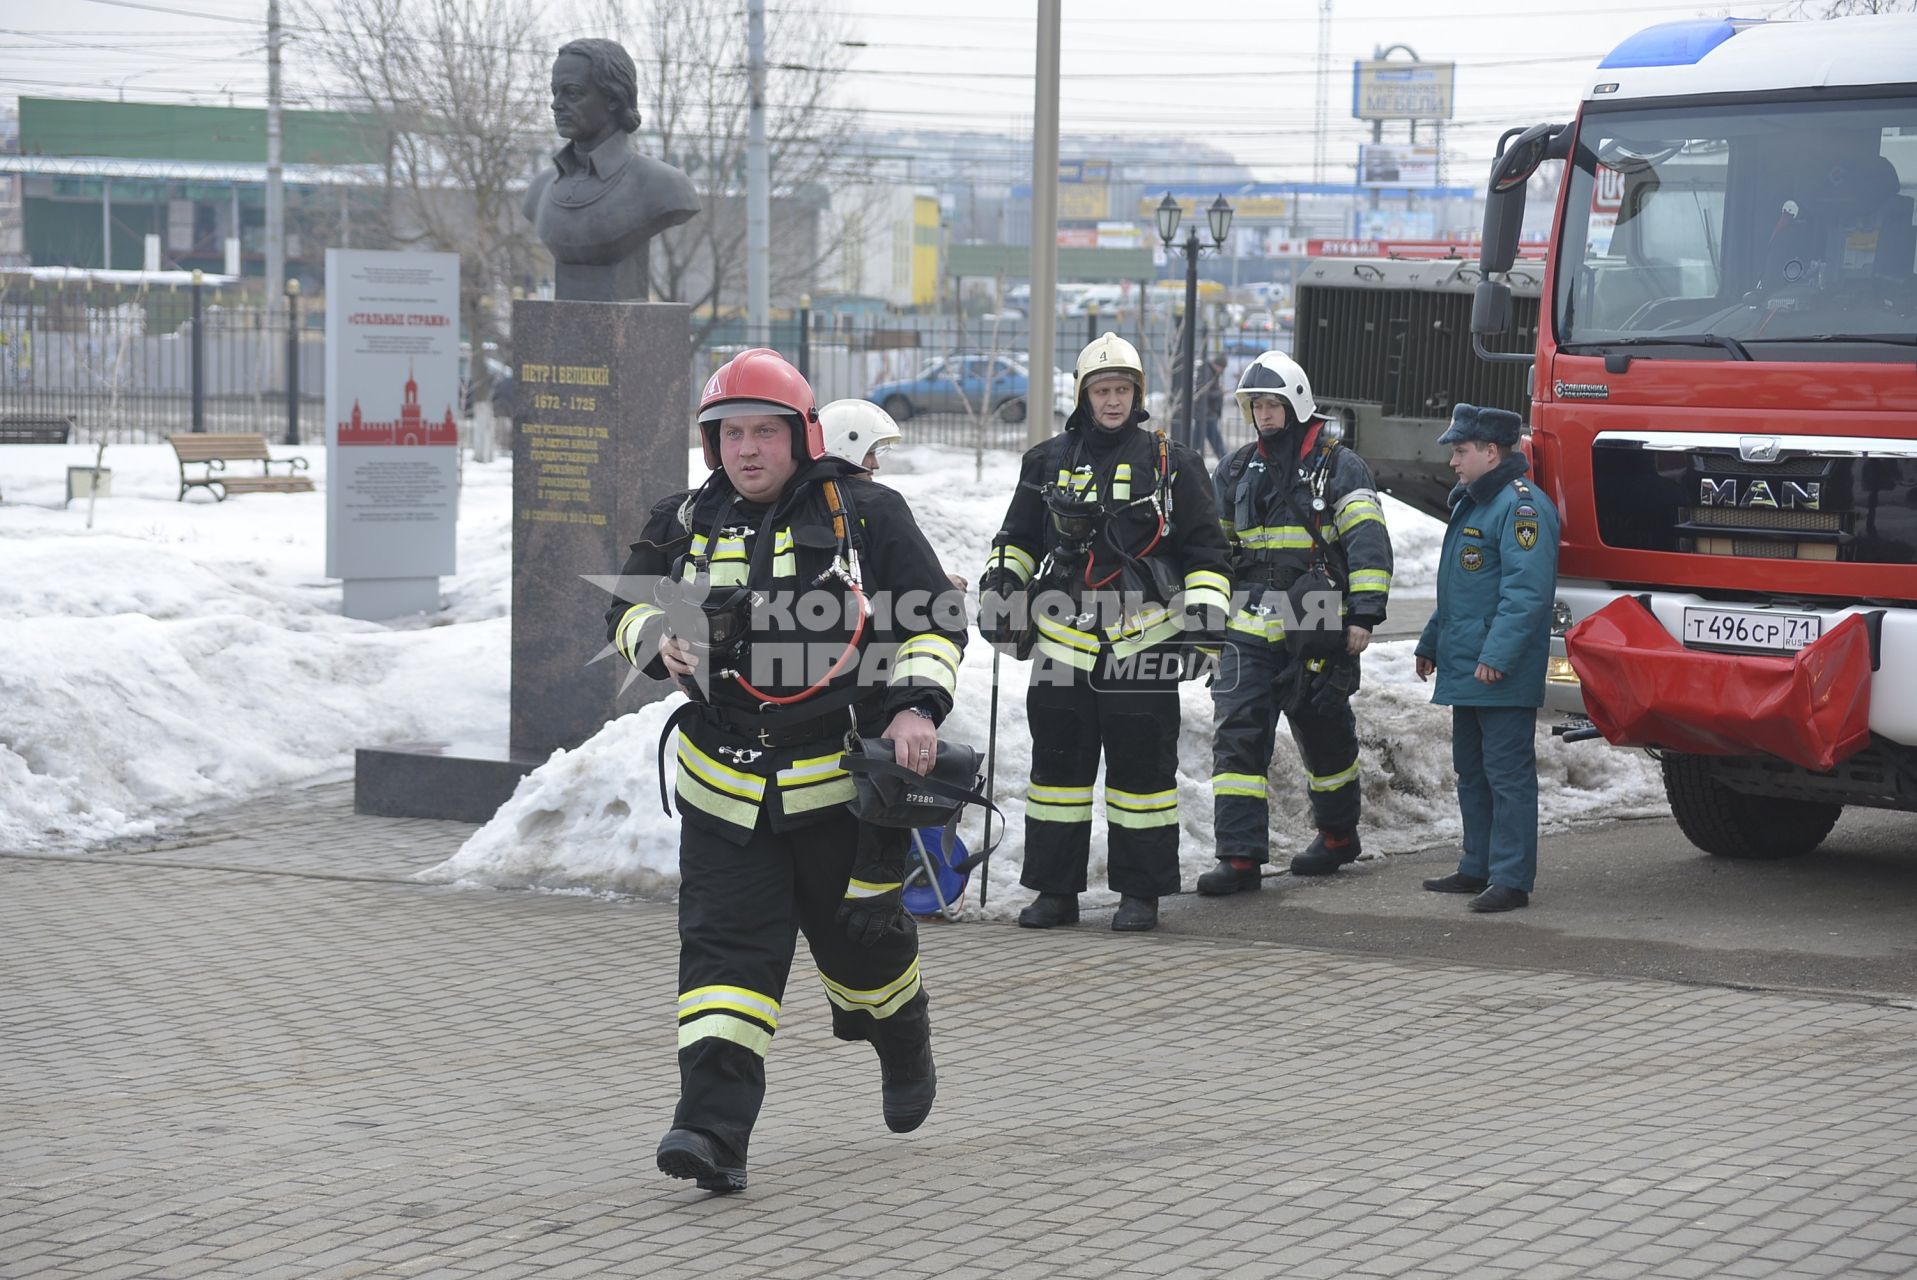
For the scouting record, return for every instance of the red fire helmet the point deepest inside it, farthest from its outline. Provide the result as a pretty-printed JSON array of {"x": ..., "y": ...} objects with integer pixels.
[{"x": 759, "y": 381}]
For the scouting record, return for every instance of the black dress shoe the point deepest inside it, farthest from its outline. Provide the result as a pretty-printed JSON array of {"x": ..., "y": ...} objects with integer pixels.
[
  {"x": 1457, "y": 882},
  {"x": 1229, "y": 876},
  {"x": 1499, "y": 898},
  {"x": 687, "y": 1153},
  {"x": 1322, "y": 857},
  {"x": 1050, "y": 910},
  {"x": 1135, "y": 915}
]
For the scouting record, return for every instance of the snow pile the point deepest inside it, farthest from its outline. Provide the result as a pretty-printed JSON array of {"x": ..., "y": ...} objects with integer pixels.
[
  {"x": 590, "y": 818},
  {"x": 178, "y": 654}
]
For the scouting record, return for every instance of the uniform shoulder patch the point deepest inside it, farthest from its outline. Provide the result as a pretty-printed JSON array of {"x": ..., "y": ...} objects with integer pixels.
[
  {"x": 1526, "y": 509},
  {"x": 1471, "y": 558},
  {"x": 1526, "y": 532},
  {"x": 1469, "y": 532}
]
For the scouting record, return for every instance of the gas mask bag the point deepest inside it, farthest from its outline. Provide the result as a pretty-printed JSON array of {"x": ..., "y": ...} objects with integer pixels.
[{"x": 886, "y": 794}]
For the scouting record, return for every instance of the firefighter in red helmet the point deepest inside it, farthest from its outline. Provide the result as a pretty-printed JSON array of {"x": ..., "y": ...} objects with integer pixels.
[{"x": 796, "y": 601}]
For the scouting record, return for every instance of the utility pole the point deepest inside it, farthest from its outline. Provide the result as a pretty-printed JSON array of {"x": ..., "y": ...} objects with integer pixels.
[
  {"x": 275, "y": 188},
  {"x": 1044, "y": 282},
  {"x": 758, "y": 185},
  {"x": 1318, "y": 140}
]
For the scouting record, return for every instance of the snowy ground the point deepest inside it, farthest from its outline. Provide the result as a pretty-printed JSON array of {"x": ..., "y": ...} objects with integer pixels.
[{"x": 178, "y": 655}]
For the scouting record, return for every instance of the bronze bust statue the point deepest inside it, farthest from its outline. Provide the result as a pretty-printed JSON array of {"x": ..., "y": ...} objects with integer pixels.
[{"x": 601, "y": 203}]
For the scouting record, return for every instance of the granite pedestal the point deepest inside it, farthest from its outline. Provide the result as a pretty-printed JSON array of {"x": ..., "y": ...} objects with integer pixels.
[{"x": 600, "y": 431}]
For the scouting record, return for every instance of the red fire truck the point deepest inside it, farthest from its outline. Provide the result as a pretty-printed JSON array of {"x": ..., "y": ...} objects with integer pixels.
[{"x": 1724, "y": 408}]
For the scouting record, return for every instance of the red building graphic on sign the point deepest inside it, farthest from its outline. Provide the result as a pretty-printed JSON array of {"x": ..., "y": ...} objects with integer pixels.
[{"x": 411, "y": 428}]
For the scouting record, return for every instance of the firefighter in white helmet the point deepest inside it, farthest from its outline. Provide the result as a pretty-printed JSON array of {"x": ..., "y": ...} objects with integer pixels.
[
  {"x": 859, "y": 431},
  {"x": 1111, "y": 560},
  {"x": 1312, "y": 563}
]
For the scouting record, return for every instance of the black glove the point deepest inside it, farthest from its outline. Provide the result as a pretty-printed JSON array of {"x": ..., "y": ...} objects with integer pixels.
[
  {"x": 996, "y": 617},
  {"x": 873, "y": 905},
  {"x": 1204, "y": 625}
]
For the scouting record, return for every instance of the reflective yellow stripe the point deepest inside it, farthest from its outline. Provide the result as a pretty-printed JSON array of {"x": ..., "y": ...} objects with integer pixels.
[
  {"x": 722, "y": 1026},
  {"x": 739, "y": 999},
  {"x": 724, "y": 777},
  {"x": 1141, "y": 801},
  {"x": 1071, "y": 657},
  {"x": 1331, "y": 782},
  {"x": 740, "y": 813},
  {"x": 1139, "y": 623},
  {"x": 935, "y": 644},
  {"x": 728, "y": 573},
  {"x": 1121, "y": 482},
  {"x": 880, "y": 1002},
  {"x": 1007, "y": 556},
  {"x": 926, "y": 670},
  {"x": 1355, "y": 512},
  {"x": 1231, "y": 530},
  {"x": 785, "y": 566},
  {"x": 1158, "y": 634},
  {"x": 813, "y": 769},
  {"x": 1200, "y": 579},
  {"x": 1371, "y": 580},
  {"x": 1271, "y": 628},
  {"x": 1276, "y": 536},
  {"x": 1239, "y": 784},
  {"x": 1072, "y": 637},
  {"x": 820, "y": 796},
  {"x": 1058, "y": 804},
  {"x": 869, "y": 888},
  {"x": 1132, "y": 821},
  {"x": 630, "y": 626}
]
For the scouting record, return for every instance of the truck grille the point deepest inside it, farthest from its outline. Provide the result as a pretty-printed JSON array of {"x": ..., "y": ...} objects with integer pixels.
[{"x": 1839, "y": 507}]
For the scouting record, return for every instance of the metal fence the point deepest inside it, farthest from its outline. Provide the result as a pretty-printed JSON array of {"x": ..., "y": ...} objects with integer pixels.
[
  {"x": 139, "y": 364},
  {"x": 964, "y": 382}
]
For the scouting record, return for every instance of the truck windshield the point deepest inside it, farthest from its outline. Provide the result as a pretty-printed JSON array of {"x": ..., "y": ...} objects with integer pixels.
[{"x": 1786, "y": 227}]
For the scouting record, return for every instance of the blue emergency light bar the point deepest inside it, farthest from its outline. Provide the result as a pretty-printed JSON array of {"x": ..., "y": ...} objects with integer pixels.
[{"x": 1672, "y": 44}]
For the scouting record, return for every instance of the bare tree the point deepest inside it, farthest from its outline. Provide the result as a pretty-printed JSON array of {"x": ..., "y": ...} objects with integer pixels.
[
  {"x": 458, "y": 85},
  {"x": 1844, "y": 8},
  {"x": 691, "y": 56}
]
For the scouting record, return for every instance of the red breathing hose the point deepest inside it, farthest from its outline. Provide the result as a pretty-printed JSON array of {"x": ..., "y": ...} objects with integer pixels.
[{"x": 838, "y": 665}]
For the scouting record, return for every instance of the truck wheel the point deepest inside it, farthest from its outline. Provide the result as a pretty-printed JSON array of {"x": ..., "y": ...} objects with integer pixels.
[{"x": 1730, "y": 824}]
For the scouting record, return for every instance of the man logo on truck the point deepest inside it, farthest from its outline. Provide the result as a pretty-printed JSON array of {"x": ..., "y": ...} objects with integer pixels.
[{"x": 1808, "y": 496}]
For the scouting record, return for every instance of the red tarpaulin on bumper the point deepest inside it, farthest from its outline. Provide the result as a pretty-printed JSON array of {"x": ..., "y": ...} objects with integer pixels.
[{"x": 1642, "y": 688}]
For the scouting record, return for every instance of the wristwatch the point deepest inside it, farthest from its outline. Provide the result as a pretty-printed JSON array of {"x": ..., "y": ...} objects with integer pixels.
[{"x": 917, "y": 710}]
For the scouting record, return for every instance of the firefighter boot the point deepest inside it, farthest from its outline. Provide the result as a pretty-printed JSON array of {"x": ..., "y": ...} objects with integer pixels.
[
  {"x": 1135, "y": 914},
  {"x": 687, "y": 1153},
  {"x": 1326, "y": 853},
  {"x": 1229, "y": 876},
  {"x": 1049, "y": 910},
  {"x": 909, "y": 1081}
]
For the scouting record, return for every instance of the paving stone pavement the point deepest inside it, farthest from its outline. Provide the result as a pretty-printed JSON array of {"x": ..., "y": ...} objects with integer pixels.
[{"x": 213, "y": 1063}]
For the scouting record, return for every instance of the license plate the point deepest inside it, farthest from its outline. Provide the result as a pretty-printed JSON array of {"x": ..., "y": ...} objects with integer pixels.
[{"x": 1762, "y": 630}]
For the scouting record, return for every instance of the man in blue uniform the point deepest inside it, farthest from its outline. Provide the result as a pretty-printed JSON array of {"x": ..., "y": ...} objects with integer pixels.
[{"x": 1488, "y": 642}]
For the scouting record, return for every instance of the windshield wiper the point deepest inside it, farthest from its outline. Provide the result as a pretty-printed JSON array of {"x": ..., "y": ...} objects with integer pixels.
[
  {"x": 1886, "y": 339},
  {"x": 1731, "y": 345}
]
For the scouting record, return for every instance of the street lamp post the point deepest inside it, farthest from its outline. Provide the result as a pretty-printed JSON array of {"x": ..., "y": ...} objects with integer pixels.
[{"x": 1168, "y": 215}]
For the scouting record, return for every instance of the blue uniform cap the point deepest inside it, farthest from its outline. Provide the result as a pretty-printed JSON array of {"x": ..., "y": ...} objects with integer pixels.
[{"x": 1486, "y": 425}]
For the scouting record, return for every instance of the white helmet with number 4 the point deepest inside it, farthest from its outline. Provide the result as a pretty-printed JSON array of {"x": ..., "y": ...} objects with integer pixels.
[
  {"x": 1109, "y": 353},
  {"x": 853, "y": 428},
  {"x": 1276, "y": 374}
]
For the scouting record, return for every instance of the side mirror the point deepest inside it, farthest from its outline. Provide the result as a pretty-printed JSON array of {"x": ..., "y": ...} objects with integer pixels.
[
  {"x": 1504, "y": 198},
  {"x": 1491, "y": 308}
]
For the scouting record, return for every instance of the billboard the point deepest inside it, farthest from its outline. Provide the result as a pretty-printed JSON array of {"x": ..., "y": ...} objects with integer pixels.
[
  {"x": 1382, "y": 90},
  {"x": 392, "y": 439},
  {"x": 1395, "y": 164}
]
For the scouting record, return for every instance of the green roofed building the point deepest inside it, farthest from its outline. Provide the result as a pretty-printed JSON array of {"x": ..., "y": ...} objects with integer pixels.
[{"x": 96, "y": 179}]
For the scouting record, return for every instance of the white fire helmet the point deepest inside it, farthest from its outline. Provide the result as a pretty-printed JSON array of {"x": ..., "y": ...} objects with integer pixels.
[
  {"x": 853, "y": 428},
  {"x": 1276, "y": 374},
  {"x": 1109, "y": 353}
]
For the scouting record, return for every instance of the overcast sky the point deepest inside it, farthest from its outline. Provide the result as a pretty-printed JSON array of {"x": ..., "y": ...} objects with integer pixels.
[{"x": 1237, "y": 73}]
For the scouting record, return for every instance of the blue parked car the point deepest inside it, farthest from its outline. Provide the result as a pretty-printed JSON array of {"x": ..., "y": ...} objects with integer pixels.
[{"x": 957, "y": 384}]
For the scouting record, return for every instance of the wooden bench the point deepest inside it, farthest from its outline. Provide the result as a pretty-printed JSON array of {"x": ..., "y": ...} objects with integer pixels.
[
  {"x": 212, "y": 452},
  {"x": 18, "y": 428}
]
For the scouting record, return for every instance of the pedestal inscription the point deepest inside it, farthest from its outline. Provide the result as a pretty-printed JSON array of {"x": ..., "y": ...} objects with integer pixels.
[{"x": 599, "y": 437}]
